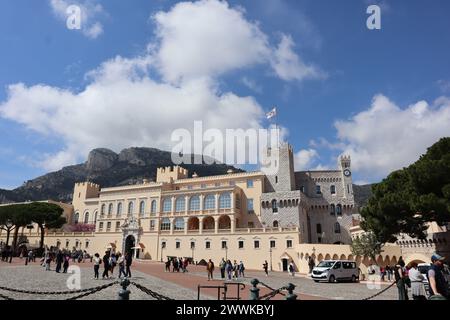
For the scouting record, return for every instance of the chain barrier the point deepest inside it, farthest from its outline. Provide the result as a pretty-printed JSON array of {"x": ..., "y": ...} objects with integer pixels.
[
  {"x": 5, "y": 297},
  {"x": 54, "y": 292},
  {"x": 95, "y": 290},
  {"x": 152, "y": 293},
  {"x": 380, "y": 292}
]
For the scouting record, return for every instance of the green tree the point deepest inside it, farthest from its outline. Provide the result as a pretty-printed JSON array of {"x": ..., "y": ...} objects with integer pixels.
[
  {"x": 367, "y": 245},
  {"x": 45, "y": 215},
  {"x": 408, "y": 199}
]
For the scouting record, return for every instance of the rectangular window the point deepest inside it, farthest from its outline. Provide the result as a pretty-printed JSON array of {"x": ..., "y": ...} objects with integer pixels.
[
  {"x": 192, "y": 245},
  {"x": 256, "y": 244},
  {"x": 217, "y": 184},
  {"x": 87, "y": 244},
  {"x": 272, "y": 243},
  {"x": 318, "y": 191},
  {"x": 241, "y": 244},
  {"x": 117, "y": 225},
  {"x": 189, "y": 187},
  {"x": 100, "y": 226},
  {"x": 67, "y": 244},
  {"x": 249, "y": 183},
  {"x": 108, "y": 226},
  {"x": 318, "y": 228},
  {"x": 152, "y": 224},
  {"x": 224, "y": 244},
  {"x": 288, "y": 243},
  {"x": 232, "y": 183},
  {"x": 177, "y": 245},
  {"x": 208, "y": 245},
  {"x": 250, "y": 206},
  {"x": 203, "y": 186}
]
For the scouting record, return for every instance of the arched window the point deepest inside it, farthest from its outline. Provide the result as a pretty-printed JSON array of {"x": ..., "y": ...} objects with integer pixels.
[
  {"x": 179, "y": 224},
  {"x": 225, "y": 201},
  {"x": 167, "y": 205},
  {"x": 333, "y": 189},
  {"x": 165, "y": 224},
  {"x": 153, "y": 209},
  {"x": 130, "y": 207},
  {"x": 194, "y": 203},
  {"x": 337, "y": 228},
  {"x": 95, "y": 217},
  {"x": 102, "y": 210},
  {"x": 86, "y": 217},
  {"x": 119, "y": 209},
  {"x": 275, "y": 224},
  {"x": 210, "y": 202},
  {"x": 110, "y": 209},
  {"x": 76, "y": 217},
  {"x": 332, "y": 209},
  {"x": 339, "y": 210},
  {"x": 180, "y": 204},
  {"x": 274, "y": 206},
  {"x": 142, "y": 207}
]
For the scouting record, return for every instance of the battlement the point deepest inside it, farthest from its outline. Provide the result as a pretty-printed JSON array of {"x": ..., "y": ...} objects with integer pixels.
[
  {"x": 87, "y": 184},
  {"x": 170, "y": 174}
]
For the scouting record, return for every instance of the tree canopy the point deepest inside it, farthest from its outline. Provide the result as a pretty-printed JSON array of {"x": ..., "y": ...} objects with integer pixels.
[{"x": 409, "y": 198}]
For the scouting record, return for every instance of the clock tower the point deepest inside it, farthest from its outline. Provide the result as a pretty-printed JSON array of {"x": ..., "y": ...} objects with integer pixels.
[{"x": 344, "y": 166}]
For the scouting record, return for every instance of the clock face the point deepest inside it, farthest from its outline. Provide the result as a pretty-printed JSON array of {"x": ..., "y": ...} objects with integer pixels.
[{"x": 347, "y": 172}]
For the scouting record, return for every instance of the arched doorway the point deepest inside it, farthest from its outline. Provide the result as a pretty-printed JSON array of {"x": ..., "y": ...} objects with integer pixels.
[{"x": 130, "y": 243}]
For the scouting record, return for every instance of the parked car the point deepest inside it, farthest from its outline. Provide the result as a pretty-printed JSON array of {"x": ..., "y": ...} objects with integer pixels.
[{"x": 335, "y": 270}]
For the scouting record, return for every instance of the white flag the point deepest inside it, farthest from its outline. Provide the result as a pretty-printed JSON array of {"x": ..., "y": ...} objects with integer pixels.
[{"x": 272, "y": 113}]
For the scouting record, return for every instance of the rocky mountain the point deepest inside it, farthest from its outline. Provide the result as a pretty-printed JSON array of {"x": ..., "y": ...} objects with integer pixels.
[
  {"x": 362, "y": 194},
  {"x": 106, "y": 168}
]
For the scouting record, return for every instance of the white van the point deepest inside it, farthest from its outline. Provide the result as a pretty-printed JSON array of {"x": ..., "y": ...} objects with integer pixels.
[{"x": 335, "y": 270}]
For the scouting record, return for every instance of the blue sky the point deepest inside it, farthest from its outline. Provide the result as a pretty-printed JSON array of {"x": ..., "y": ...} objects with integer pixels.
[{"x": 381, "y": 96}]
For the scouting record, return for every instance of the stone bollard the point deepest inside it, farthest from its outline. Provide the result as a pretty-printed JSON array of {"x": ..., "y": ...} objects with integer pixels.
[
  {"x": 124, "y": 293},
  {"x": 291, "y": 295},
  {"x": 254, "y": 291}
]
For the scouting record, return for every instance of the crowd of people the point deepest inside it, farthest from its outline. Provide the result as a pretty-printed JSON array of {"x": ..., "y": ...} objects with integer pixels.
[
  {"x": 228, "y": 270},
  {"x": 177, "y": 264},
  {"x": 110, "y": 260}
]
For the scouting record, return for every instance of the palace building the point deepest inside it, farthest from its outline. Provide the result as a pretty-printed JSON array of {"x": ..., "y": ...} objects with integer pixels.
[{"x": 248, "y": 216}]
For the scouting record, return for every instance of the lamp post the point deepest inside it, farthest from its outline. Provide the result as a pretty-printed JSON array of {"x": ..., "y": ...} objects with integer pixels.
[
  {"x": 226, "y": 252},
  {"x": 271, "y": 269},
  {"x": 192, "y": 248},
  {"x": 162, "y": 249},
  {"x": 9, "y": 225}
]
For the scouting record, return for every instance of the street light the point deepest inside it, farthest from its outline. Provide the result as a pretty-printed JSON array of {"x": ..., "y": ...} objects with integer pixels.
[
  {"x": 226, "y": 252},
  {"x": 271, "y": 269},
  {"x": 162, "y": 248}
]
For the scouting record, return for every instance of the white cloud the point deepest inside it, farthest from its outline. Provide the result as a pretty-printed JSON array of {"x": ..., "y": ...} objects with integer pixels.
[
  {"x": 251, "y": 84},
  {"x": 303, "y": 159},
  {"x": 209, "y": 38},
  {"x": 386, "y": 137},
  {"x": 444, "y": 85},
  {"x": 288, "y": 65},
  {"x": 90, "y": 11},
  {"x": 126, "y": 110},
  {"x": 125, "y": 104}
]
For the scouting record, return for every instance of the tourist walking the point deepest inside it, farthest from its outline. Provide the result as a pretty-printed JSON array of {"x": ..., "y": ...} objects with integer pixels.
[
  {"x": 112, "y": 263},
  {"x": 210, "y": 269},
  {"x": 400, "y": 280},
  {"x": 128, "y": 262},
  {"x": 106, "y": 265},
  {"x": 96, "y": 261},
  {"x": 416, "y": 278},
  {"x": 292, "y": 268},
  {"x": 168, "y": 265},
  {"x": 241, "y": 269},
  {"x": 121, "y": 263},
  {"x": 438, "y": 284},
  {"x": 222, "y": 266},
  {"x": 229, "y": 269},
  {"x": 235, "y": 270},
  {"x": 66, "y": 263},
  {"x": 266, "y": 267},
  {"x": 311, "y": 264},
  {"x": 59, "y": 261},
  {"x": 48, "y": 260}
]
